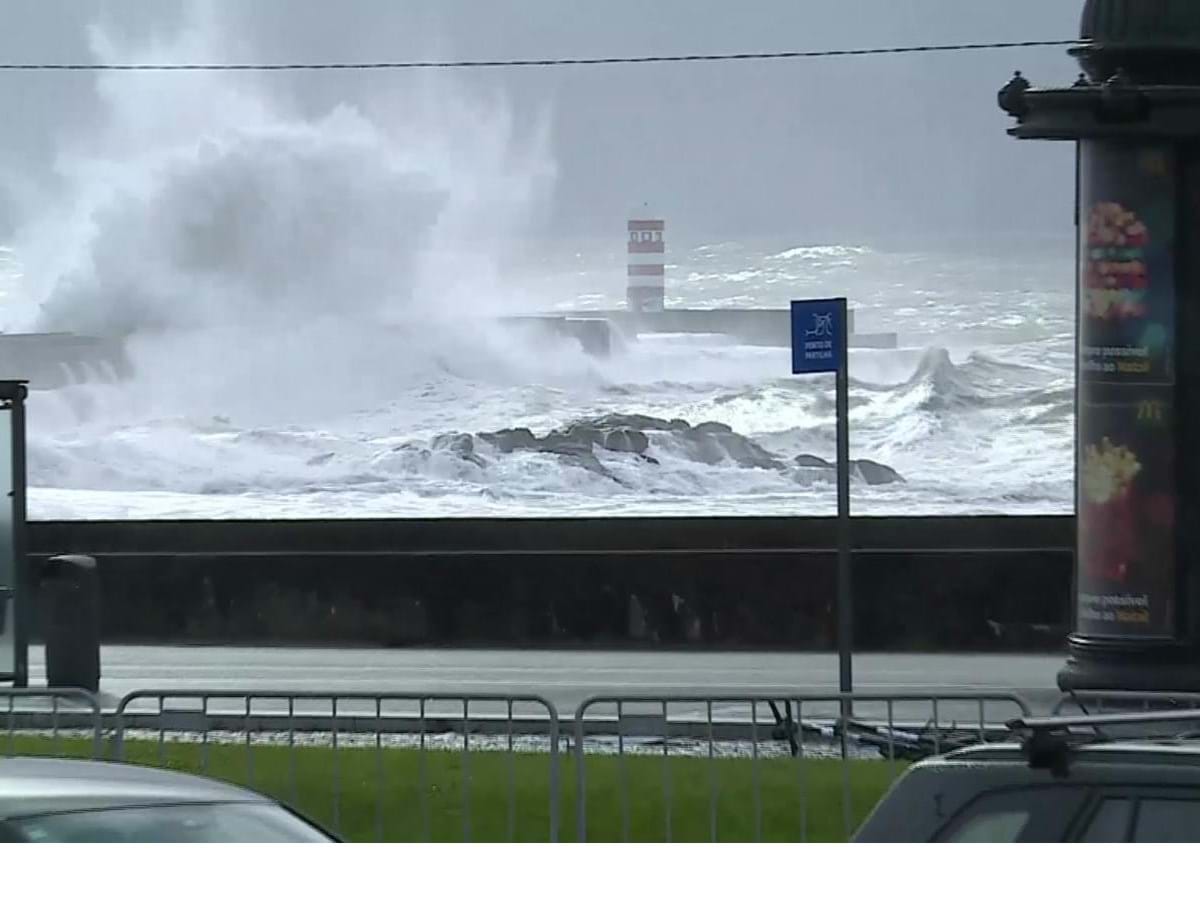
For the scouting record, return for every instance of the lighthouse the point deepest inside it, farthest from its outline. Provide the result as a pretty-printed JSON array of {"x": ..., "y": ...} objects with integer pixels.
[{"x": 647, "y": 265}]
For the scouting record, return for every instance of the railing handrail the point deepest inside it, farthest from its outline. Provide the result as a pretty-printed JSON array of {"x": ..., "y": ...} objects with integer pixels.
[
  {"x": 376, "y": 697},
  {"x": 75, "y": 695},
  {"x": 1099, "y": 720},
  {"x": 228, "y": 694},
  {"x": 807, "y": 697},
  {"x": 844, "y": 700}
]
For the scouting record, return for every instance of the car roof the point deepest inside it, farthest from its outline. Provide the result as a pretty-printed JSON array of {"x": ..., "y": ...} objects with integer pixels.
[
  {"x": 1132, "y": 752},
  {"x": 30, "y": 786}
]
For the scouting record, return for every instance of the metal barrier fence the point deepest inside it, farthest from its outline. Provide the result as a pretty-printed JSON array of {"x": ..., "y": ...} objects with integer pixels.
[
  {"x": 63, "y": 712},
  {"x": 488, "y": 766},
  {"x": 354, "y": 734},
  {"x": 786, "y": 743}
]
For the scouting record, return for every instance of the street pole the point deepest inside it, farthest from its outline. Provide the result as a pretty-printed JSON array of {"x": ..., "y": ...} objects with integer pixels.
[
  {"x": 845, "y": 616},
  {"x": 845, "y": 610},
  {"x": 820, "y": 344}
]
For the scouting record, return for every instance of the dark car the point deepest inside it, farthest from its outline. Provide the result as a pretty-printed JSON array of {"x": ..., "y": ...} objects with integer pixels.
[
  {"x": 1069, "y": 779},
  {"x": 76, "y": 801}
]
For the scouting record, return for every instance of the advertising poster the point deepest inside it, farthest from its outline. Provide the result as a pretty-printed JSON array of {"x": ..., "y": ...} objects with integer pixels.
[
  {"x": 1127, "y": 264},
  {"x": 1127, "y": 517}
]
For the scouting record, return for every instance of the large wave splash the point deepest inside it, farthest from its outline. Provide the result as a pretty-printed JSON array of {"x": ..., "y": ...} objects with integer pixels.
[
  {"x": 941, "y": 386},
  {"x": 213, "y": 223}
]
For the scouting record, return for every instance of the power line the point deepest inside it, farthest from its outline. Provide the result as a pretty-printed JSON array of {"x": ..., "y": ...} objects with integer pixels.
[{"x": 525, "y": 63}]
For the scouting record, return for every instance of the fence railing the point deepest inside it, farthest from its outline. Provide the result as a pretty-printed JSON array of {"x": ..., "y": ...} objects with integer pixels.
[
  {"x": 259, "y": 736},
  {"x": 808, "y": 752},
  {"x": 63, "y": 713},
  {"x": 445, "y": 766}
]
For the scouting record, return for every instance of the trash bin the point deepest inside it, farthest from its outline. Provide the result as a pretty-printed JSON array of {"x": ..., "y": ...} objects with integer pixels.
[{"x": 69, "y": 597}]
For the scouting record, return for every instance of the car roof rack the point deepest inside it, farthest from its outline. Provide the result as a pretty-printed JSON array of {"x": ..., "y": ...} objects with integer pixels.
[
  {"x": 1095, "y": 720},
  {"x": 1047, "y": 741}
]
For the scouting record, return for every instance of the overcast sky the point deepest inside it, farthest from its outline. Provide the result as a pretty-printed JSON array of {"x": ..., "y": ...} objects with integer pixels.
[{"x": 837, "y": 149}]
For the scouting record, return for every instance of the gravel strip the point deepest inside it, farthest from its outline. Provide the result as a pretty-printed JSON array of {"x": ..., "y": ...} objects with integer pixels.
[{"x": 447, "y": 742}]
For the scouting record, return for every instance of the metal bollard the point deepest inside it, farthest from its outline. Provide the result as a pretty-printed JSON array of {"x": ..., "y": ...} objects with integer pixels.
[{"x": 69, "y": 597}]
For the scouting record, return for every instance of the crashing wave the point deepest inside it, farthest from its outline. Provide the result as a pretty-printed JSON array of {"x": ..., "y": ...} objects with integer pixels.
[
  {"x": 835, "y": 251},
  {"x": 940, "y": 386}
]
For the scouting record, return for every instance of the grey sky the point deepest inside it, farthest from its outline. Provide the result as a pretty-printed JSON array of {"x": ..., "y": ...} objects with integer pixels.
[{"x": 840, "y": 149}]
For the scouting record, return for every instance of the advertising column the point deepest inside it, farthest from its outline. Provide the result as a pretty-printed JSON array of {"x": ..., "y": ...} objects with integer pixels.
[{"x": 1126, "y": 477}]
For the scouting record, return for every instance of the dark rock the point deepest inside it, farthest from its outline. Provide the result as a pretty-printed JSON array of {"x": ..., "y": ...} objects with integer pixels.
[
  {"x": 561, "y": 443},
  {"x": 460, "y": 445},
  {"x": 712, "y": 428},
  {"x": 712, "y": 443},
  {"x": 621, "y": 434},
  {"x": 869, "y": 471},
  {"x": 581, "y": 457},
  {"x": 509, "y": 439},
  {"x": 808, "y": 461},
  {"x": 320, "y": 459},
  {"x": 715, "y": 445},
  {"x": 635, "y": 422},
  {"x": 877, "y": 473},
  {"x": 626, "y": 440},
  {"x": 578, "y": 434}
]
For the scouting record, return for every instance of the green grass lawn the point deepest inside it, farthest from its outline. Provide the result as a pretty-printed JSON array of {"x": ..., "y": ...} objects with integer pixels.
[{"x": 404, "y": 795}]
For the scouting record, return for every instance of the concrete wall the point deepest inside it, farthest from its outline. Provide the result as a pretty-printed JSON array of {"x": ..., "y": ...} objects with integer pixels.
[{"x": 920, "y": 584}]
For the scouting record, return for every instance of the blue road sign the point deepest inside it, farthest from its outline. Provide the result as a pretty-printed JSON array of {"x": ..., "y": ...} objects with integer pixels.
[
  {"x": 819, "y": 344},
  {"x": 818, "y": 328}
]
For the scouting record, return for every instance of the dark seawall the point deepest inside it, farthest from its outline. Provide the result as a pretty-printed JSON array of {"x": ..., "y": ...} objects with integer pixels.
[{"x": 919, "y": 583}]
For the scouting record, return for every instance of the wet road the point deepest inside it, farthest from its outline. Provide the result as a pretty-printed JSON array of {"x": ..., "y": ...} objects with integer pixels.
[{"x": 564, "y": 677}]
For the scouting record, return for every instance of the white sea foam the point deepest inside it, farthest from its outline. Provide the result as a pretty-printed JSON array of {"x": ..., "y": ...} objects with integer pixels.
[
  {"x": 835, "y": 252},
  {"x": 962, "y": 442}
]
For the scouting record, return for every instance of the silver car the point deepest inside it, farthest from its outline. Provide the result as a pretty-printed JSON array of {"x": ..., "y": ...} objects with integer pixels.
[{"x": 75, "y": 801}]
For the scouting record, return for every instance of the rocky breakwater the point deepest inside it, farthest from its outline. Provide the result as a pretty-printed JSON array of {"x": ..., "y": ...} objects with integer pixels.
[{"x": 598, "y": 444}]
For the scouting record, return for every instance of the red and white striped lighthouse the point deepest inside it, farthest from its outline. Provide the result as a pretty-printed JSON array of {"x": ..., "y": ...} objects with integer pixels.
[{"x": 647, "y": 266}]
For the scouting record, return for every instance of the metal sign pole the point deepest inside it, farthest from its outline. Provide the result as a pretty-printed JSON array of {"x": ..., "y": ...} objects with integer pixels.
[
  {"x": 820, "y": 343},
  {"x": 845, "y": 597},
  {"x": 20, "y": 545}
]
